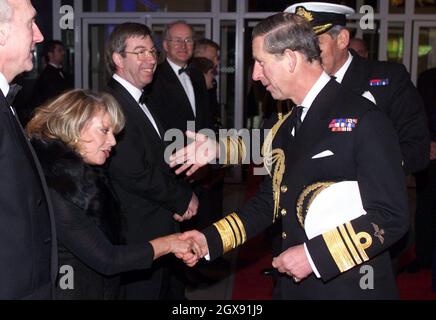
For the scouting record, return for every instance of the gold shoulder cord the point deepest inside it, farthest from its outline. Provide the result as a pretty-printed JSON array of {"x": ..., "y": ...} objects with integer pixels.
[{"x": 273, "y": 156}]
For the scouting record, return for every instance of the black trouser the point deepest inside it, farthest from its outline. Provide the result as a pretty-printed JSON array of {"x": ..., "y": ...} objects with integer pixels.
[{"x": 425, "y": 217}]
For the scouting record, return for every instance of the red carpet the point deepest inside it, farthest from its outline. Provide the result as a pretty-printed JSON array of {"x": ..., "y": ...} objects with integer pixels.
[{"x": 255, "y": 255}]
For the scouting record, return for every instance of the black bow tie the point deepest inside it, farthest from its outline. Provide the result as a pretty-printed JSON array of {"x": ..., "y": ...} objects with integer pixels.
[
  {"x": 184, "y": 69},
  {"x": 13, "y": 90}
]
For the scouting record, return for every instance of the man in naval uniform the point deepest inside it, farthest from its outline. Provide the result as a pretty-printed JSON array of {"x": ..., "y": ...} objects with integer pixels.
[
  {"x": 332, "y": 135},
  {"x": 386, "y": 84}
]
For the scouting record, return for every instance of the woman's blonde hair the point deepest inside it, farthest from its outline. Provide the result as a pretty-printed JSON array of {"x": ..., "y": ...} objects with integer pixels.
[{"x": 64, "y": 117}]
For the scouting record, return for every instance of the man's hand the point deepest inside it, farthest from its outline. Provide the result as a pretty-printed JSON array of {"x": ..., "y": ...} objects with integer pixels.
[
  {"x": 190, "y": 212},
  {"x": 199, "y": 247},
  {"x": 294, "y": 263},
  {"x": 196, "y": 154},
  {"x": 172, "y": 244}
]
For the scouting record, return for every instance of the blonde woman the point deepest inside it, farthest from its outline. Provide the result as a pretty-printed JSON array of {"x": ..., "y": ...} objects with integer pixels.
[{"x": 73, "y": 136}]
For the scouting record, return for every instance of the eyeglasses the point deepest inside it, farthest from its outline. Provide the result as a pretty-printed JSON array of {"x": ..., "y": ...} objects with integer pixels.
[
  {"x": 179, "y": 42},
  {"x": 144, "y": 54}
]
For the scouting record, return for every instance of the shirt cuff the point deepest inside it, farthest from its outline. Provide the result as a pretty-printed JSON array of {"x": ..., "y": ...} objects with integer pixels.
[
  {"x": 314, "y": 269},
  {"x": 207, "y": 257}
]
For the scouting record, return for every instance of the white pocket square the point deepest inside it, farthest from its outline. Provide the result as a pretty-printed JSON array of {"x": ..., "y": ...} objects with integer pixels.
[
  {"x": 323, "y": 154},
  {"x": 368, "y": 95}
]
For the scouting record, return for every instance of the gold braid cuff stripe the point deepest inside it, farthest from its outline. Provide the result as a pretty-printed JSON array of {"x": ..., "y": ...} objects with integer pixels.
[
  {"x": 235, "y": 149},
  {"x": 346, "y": 247},
  {"x": 338, "y": 250},
  {"x": 232, "y": 232},
  {"x": 361, "y": 247},
  {"x": 349, "y": 244}
]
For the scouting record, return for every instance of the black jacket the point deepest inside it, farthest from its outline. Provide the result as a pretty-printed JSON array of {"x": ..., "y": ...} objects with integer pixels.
[
  {"x": 51, "y": 82},
  {"x": 148, "y": 190},
  {"x": 89, "y": 224},
  {"x": 400, "y": 101},
  {"x": 171, "y": 104},
  {"x": 370, "y": 154},
  {"x": 28, "y": 260}
]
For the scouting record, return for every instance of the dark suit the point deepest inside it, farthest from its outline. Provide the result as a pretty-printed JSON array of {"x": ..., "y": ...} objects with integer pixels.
[
  {"x": 425, "y": 217},
  {"x": 400, "y": 101},
  {"x": 369, "y": 154},
  {"x": 171, "y": 104},
  {"x": 28, "y": 252},
  {"x": 51, "y": 82},
  {"x": 148, "y": 190}
]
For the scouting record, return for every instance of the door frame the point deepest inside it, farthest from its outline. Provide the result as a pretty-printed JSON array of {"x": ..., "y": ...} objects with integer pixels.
[
  {"x": 82, "y": 60},
  {"x": 415, "y": 46}
]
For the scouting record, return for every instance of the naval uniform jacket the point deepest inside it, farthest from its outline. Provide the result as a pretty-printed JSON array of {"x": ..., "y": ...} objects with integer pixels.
[
  {"x": 394, "y": 93},
  {"x": 370, "y": 154},
  {"x": 148, "y": 190}
]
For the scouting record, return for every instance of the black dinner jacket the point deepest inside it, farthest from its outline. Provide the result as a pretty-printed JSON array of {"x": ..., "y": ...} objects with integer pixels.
[
  {"x": 171, "y": 104},
  {"x": 28, "y": 250},
  {"x": 51, "y": 83},
  {"x": 148, "y": 190},
  {"x": 147, "y": 187}
]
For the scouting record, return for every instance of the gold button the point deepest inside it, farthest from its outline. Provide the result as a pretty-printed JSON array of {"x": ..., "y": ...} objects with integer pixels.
[
  {"x": 284, "y": 235},
  {"x": 284, "y": 212},
  {"x": 283, "y": 189}
]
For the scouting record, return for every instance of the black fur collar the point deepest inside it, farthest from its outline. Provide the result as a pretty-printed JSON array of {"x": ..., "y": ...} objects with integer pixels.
[{"x": 85, "y": 186}]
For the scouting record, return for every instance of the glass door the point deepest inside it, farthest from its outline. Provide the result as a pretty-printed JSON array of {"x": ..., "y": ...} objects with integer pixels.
[{"x": 423, "y": 48}]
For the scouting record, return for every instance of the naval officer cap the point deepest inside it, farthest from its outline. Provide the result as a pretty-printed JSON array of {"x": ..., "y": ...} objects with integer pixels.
[
  {"x": 323, "y": 206},
  {"x": 323, "y": 16}
]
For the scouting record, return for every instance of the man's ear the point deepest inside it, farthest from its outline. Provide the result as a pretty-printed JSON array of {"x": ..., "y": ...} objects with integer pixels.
[
  {"x": 343, "y": 39},
  {"x": 118, "y": 60},
  {"x": 165, "y": 45},
  {"x": 291, "y": 59}
]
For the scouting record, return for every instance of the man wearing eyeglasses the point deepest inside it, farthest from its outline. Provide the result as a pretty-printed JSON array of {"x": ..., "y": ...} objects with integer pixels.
[
  {"x": 179, "y": 95},
  {"x": 152, "y": 199}
]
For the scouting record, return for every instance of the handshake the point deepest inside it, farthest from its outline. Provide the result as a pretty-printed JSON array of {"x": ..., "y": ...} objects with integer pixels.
[{"x": 189, "y": 246}]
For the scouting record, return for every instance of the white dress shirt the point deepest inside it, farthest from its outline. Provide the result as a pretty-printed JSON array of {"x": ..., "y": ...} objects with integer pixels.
[
  {"x": 306, "y": 104},
  {"x": 185, "y": 80},
  {"x": 136, "y": 94},
  {"x": 341, "y": 72},
  {"x": 4, "y": 86},
  {"x": 311, "y": 95}
]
